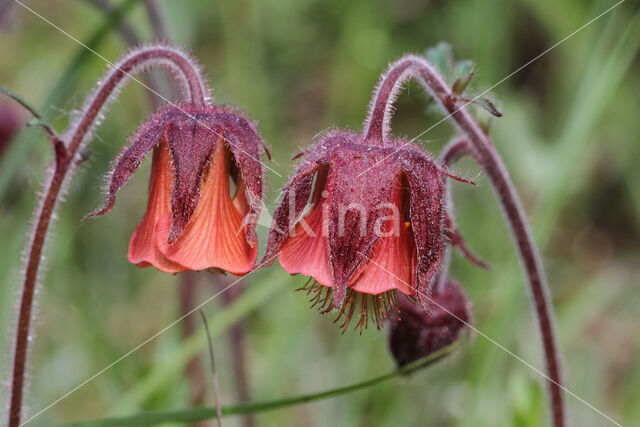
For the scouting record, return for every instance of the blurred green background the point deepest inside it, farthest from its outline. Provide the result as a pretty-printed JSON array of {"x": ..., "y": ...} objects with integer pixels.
[{"x": 568, "y": 136}]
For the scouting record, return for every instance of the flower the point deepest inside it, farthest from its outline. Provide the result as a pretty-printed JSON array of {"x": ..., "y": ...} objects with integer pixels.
[
  {"x": 195, "y": 218},
  {"x": 416, "y": 333},
  {"x": 368, "y": 233}
]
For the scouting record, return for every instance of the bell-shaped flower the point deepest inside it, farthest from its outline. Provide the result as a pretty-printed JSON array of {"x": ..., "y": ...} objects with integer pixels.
[
  {"x": 205, "y": 190},
  {"x": 368, "y": 233}
]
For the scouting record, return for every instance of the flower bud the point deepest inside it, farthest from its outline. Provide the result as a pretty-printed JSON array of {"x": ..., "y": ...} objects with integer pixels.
[{"x": 416, "y": 333}]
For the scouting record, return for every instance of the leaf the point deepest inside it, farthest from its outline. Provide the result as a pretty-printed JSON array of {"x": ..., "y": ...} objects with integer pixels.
[
  {"x": 37, "y": 120},
  {"x": 463, "y": 67},
  {"x": 461, "y": 83},
  {"x": 20, "y": 100},
  {"x": 488, "y": 105},
  {"x": 441, "y": 57},
  {"x": 199, "y": 414}
]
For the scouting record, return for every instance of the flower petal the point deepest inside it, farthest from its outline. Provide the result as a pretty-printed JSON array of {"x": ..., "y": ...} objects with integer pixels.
[
  {"x": 307, "y": 250},
  {"x": 390, "y": 267},
  {"x": 142, "y": 247},
  {"x": 215, "y": 235},
  {"x": 247, "y": 148},
  {"x": 295, "y": 198}
]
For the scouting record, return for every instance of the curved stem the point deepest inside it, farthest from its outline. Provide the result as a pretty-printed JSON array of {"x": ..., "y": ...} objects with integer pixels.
[
  {"x": 378, "y": 122},
  {"x": 489, "y": 159},
  {"x": 194, "y": 91},
  {"x": 183, "y": 69},
  {"x": 487, "y": 156}
]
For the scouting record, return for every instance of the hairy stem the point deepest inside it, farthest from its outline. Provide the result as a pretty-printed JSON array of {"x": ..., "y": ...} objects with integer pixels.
[
  {"x": 448, "y": 156},
  {"x": 489, "y": 159},
  {"x": 66, "y": 158}
]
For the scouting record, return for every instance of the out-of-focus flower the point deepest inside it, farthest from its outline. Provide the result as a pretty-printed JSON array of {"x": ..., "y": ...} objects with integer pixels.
[
  {"x": 10, "y": 122},
  {"x": 416, "y": 333},
  {"x": 205, "y": 190}
]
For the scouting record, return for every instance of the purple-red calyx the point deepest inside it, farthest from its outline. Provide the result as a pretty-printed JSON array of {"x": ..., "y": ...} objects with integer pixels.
[
  {"x": 205, "y": 190},
  {"x": 416, "y": 333}
]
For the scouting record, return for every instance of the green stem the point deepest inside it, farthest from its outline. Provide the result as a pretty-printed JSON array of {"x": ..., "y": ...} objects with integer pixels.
[{"x": 199, "y": 414}]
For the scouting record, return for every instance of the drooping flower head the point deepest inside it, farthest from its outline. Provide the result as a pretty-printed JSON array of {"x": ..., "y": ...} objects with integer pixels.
[
  {"x": 416, "y": 333},
  {"x": 205, "y": 190},
  {"x": 375, "y": 219}
]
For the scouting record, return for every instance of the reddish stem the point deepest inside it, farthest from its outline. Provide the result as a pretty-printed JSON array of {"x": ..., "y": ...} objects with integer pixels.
[
  {"x": 238, "y": 350},
  {"x": 194, "y": 90},
  {"x": 193, "y": 370},
  {"x": 448, "y": 156},
  {"x": 488, "y": 157}
]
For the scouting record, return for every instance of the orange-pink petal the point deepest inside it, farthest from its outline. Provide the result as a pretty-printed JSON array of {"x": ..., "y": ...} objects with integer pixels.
[
  {"x": 390, "y": 267},
  {"x": 307, "y": 251},
  {"x": 142, "y": 247},
  {"x": 215, "y": 237}
]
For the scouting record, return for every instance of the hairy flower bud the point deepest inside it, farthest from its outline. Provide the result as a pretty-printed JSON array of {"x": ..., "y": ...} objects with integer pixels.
[{"x": 416, "y": 333}]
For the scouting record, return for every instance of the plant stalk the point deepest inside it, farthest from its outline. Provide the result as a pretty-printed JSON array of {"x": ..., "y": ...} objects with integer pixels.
[
  {"x": 67, "y": 157},
  {"x": 377, "y": 125},
  {"x": 238, "y": 350}
]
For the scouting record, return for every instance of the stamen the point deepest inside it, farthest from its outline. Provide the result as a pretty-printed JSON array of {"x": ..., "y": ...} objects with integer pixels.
[{"x": 378, "y": 308}]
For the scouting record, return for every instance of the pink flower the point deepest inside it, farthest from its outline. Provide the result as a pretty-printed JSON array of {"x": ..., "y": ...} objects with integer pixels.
[
  {"x": 205, "y": 190},
  {"x": 369, "y": 232}
]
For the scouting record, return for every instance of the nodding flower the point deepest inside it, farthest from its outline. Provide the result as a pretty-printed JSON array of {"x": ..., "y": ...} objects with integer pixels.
[
  {"x": 205, "y": 190},
  {"x": 416, "y": 333},
  {"x": 375, "y": 220}
]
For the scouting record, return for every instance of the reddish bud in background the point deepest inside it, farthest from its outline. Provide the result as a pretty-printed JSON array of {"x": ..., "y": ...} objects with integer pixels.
[
  {"x": 10, "y": 122},
  {"x": 416, "y": 333}
]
